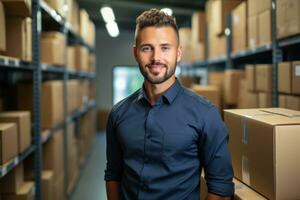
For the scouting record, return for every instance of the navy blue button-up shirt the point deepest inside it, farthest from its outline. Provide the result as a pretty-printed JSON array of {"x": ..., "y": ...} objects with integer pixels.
[{"x": 157, "y": 152}]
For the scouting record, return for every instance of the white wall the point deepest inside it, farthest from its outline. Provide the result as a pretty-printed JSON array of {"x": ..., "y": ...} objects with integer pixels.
[{"x": 111, "y": 52}]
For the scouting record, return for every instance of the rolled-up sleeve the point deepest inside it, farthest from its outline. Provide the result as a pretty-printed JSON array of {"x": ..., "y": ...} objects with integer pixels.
[
  {"x": 215, "y": 156},
  {"x": 114, "y": 169}
]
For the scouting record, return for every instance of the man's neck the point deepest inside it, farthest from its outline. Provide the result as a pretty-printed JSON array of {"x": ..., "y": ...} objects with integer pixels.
[{"x": 154, "y": 91}]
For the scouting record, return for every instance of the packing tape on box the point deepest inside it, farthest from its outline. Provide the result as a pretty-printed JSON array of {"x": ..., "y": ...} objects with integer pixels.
[
  {"x": 245, "y": 170},
  {"x": 245, "y": 134},
  {"x": 297, "y": 70}
]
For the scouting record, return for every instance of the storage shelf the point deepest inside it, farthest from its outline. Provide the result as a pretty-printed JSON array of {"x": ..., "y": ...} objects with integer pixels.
[
  {"x": 251, "y": 52},
  {"x": 13, "y": 63},
  {"x": 290, "y": 41},
  {"x": 53, "y": 68},
  {"x": 47, "y": 134},
  {"x": 13, "y": 163},
  {"x": 216, "y": 61},
  {"x": 91, "y": 104},
  {"x": 81, "y": 74},
  {"x": 51, "y": 13}
]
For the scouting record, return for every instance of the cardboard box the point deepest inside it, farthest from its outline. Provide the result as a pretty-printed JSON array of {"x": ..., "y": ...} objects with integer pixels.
[
  {"x": 264, "y": 100},
  {"x": 252, "y": 8},
  {"x": 250, "y": 77},
  {"x": 75, "y": 17},
  {"x": 57, "y": 5},
  {"x": 73, "y": 95},
  {"x": 216, "y": 78},
  {"x": 263, "y": 78},
  {"x": 197, "y": 52},
  {"x": 81, "y": 58},
  {"x": 253, "y": 38},
  {"x": 252, "y": 101},
  {"x": 26, "y": 192},
  {"x": 12, "y": 182},
  {"x": 282, "y": 100},
  {"x": 59, "y": 189},
  {"x": 217, "y": 46},
  {"x": 288, "y": 18},
  {"x": 48, "y": 185},
  {"x": 263, "y": 145},
  {"x": 2, "y": 28},
  {"x": 293, "y": 102},
  {"x": 264, "y": 28},
  {"x": 91, "y": 36},
  {"x": 73, "y": 166},
  {"x": 92, "y": 62},
  {"x": 83, "y": 24},
  {"x": 296, "y": 78},
  {"x": 231, "y": 86},
  {"x": 198, "y": 27},
  {"x": 243, "y": 192},
  {"x": 53, "y": 48},
  {"x": 242, "y": 99},
  {"x": 239, "y": 27},
  {"x": 53, "y": 157},
  {"x": 285, "y": 77},
  {"x": 185, "y": 36},
  {"x": 264, "y": 5},
  {"x": 17, "y": 8},
  {"x": 211, "y": 92},
  {"x": 18, "y": 38},
  {"x": 71, "y": 57},
  {"x": 23, "y": 122},
  {"x": 8, "y": 142}
]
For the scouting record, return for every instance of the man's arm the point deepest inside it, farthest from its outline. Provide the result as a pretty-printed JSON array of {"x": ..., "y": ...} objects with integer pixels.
[
  {"x": 216, "y": 197},
  {"x": 113, "y": 190}
]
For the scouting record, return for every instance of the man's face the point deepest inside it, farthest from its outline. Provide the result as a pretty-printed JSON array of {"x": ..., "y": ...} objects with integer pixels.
[{"x": 157, "y": 52}]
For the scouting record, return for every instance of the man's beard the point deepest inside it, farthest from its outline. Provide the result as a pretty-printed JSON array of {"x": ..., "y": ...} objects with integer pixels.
[{"x": 157, "y": 80}]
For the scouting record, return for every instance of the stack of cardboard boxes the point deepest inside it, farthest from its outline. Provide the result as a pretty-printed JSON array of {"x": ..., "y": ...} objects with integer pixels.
[{"x": 289, "y": 85}]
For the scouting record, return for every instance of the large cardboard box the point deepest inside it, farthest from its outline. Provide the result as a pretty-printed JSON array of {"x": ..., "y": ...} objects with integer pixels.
[
  {"x": 285, "y": 77},
  {"x": 282, "y": 100},
  {"x": 8, "y": 142},
  {"x": 263, "y": 145},
  {"x": 264, "y": 100},
  {"x": 81, "y": 58},
  {"x": 252, "y": 101},
  {"x": 23, "y": 122},
  {"x": 12, "y": 181},
  {"x": 59, "y": 189},
  {"x": 252, "y": 7},
  {"x": 231, "y": 86},
  {"x": 83, "y": 24},
  {"x": 288, "y": 18},
  {"x": 73, "y": 166},
  {"x": 17, "y": 8},
  {"x": 216, "y": 78},
  {"x": 250, "y": 77},
  {"x": 18, "y": 38},
  {"x": 2, "y": 28},
  {"x": 25, "y": 192},
  {"x": 73, "y": 95},
  {"x": 239, "y": 27},
  {"x": 293, "y": 102},
  {"x": 71, "y": 57},
  {"x": 253, "y": 38},
  {"x": 197, "y": 52},
  {"x": 211, "y": 92},
  {"x": 198, "y": 27},
  {"x": 263, "y": 5},
  {"x": 217, "y": 46},
  {"x": 92, "y": 62},
  {"x": 263, "y": 78},
  {"x": 53, "y": 156},
  {"x": 91, "y": 36},
  {"x": 243, "y": 192},
  {"x": 53, "y": 48},
  {"x": 296, "y": 78},
  {"x": 48, "y": 185},
  {"x": 264, "y": 28},
  {"x": 75, "y": 17}
]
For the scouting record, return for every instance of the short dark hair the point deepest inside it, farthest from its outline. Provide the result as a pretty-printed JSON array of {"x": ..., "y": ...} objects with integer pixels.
[{"x": 157, "y": 18}]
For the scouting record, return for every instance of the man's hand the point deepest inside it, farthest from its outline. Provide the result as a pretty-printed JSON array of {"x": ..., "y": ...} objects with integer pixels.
[
  {"x": 216, "y": 197},
  {"x": 113, "y": 190}
]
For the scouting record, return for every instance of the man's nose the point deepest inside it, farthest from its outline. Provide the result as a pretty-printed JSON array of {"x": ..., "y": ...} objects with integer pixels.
[{"x": 156, "y": 55}]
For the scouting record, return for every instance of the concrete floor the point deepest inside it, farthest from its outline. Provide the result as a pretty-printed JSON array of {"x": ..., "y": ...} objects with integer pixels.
[{"x": 91, "y": 184}]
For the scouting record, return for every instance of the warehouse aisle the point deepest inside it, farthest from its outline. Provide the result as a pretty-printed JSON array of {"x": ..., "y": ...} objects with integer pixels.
[{"x": 91, "y": 184}]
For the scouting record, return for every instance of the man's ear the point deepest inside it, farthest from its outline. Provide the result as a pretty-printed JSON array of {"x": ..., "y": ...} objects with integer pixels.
[
  {"x": 179, "y": 53},
  {"x": 134, "y": 51}
]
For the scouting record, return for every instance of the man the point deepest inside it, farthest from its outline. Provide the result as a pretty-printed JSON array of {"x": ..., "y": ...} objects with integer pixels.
[{"x": 160, "y": 137}]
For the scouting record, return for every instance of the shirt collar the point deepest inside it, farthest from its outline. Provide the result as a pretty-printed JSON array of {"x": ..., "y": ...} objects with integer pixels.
[{"x": 169, "y": 95}]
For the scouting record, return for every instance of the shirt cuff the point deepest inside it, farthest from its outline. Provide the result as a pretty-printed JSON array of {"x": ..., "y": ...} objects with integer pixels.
[{"x": 221, "y": 189}]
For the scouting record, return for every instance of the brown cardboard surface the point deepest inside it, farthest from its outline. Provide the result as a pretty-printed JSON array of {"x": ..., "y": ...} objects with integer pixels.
[
  {"x": 92, "y": 62},
  {"x": 243, "y": 99},
  {"x": 197, "y": 52},
  {"x": 285, "y": 77},
  {"x": 282, "y": 101},
  {"x": 83, "y": 24},
  {"x": 217, "y": 46},
  {"x": 216, "y": 78},
  {"x": 81, "y": 58},
  {"x": 12, "y": 182},
  {"x": 252, "y": 7},
  {"x": 73, "y": 166},
  {"x": 252, "y": 100},
  {"x": 8, "y": 142},
  {"x": 53, "y": 155},
  {"x": 73, "y": 95},
  {"x": 18, "y": 38},
  {"x": 262, "y": 143},
  {"x": 253, "y": 38},
  {"x": 212, "y": 93},
  {"x": 264, "y": 100},
  {"x": 23, "y": 122},
  {"x": 70, "y": 57},
  {"x": 48, "y": 185},
  {"x": 263, "y": 78},
  {"x": 26, "y": 192},
  {"x": 239, "y": 27},
  {"x": 264, "y": 5},
  {"x": 264, "y": 28},
  {"x": 296, "y": 78},
  {"x": 293, "y": 102},
  {"x": 91, "y": 36},
  {"x": 231, "y": 85},
  {"x": 59, "y": 186},
  {"x": 250, "y": 77},
  {"x": 198, "y": 27},
  {"x": 17, "y": 8},
  {"x": 57, "y": 5},
  {"x": 243, "y": 192},
  {"x": 2, "y": 28}
]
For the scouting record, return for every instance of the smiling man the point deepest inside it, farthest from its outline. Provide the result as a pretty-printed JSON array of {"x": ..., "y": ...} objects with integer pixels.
[{"x": 162, "y": 136}]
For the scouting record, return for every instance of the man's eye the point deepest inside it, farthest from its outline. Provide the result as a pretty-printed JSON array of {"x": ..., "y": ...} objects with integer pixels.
[
  {"x": 165, "y": 48},
  {"x": 146, "y": 49}
]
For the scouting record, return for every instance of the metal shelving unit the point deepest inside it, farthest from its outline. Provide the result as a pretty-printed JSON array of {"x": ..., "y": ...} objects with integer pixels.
[{"x": 42, "y": 12}]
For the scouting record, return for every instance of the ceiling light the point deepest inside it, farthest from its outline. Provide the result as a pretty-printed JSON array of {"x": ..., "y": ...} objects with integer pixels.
[
  {"x": 112, "y": 29},
  {"x": 168, "y": 11},
  {"x": 107, "y": 14}
]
